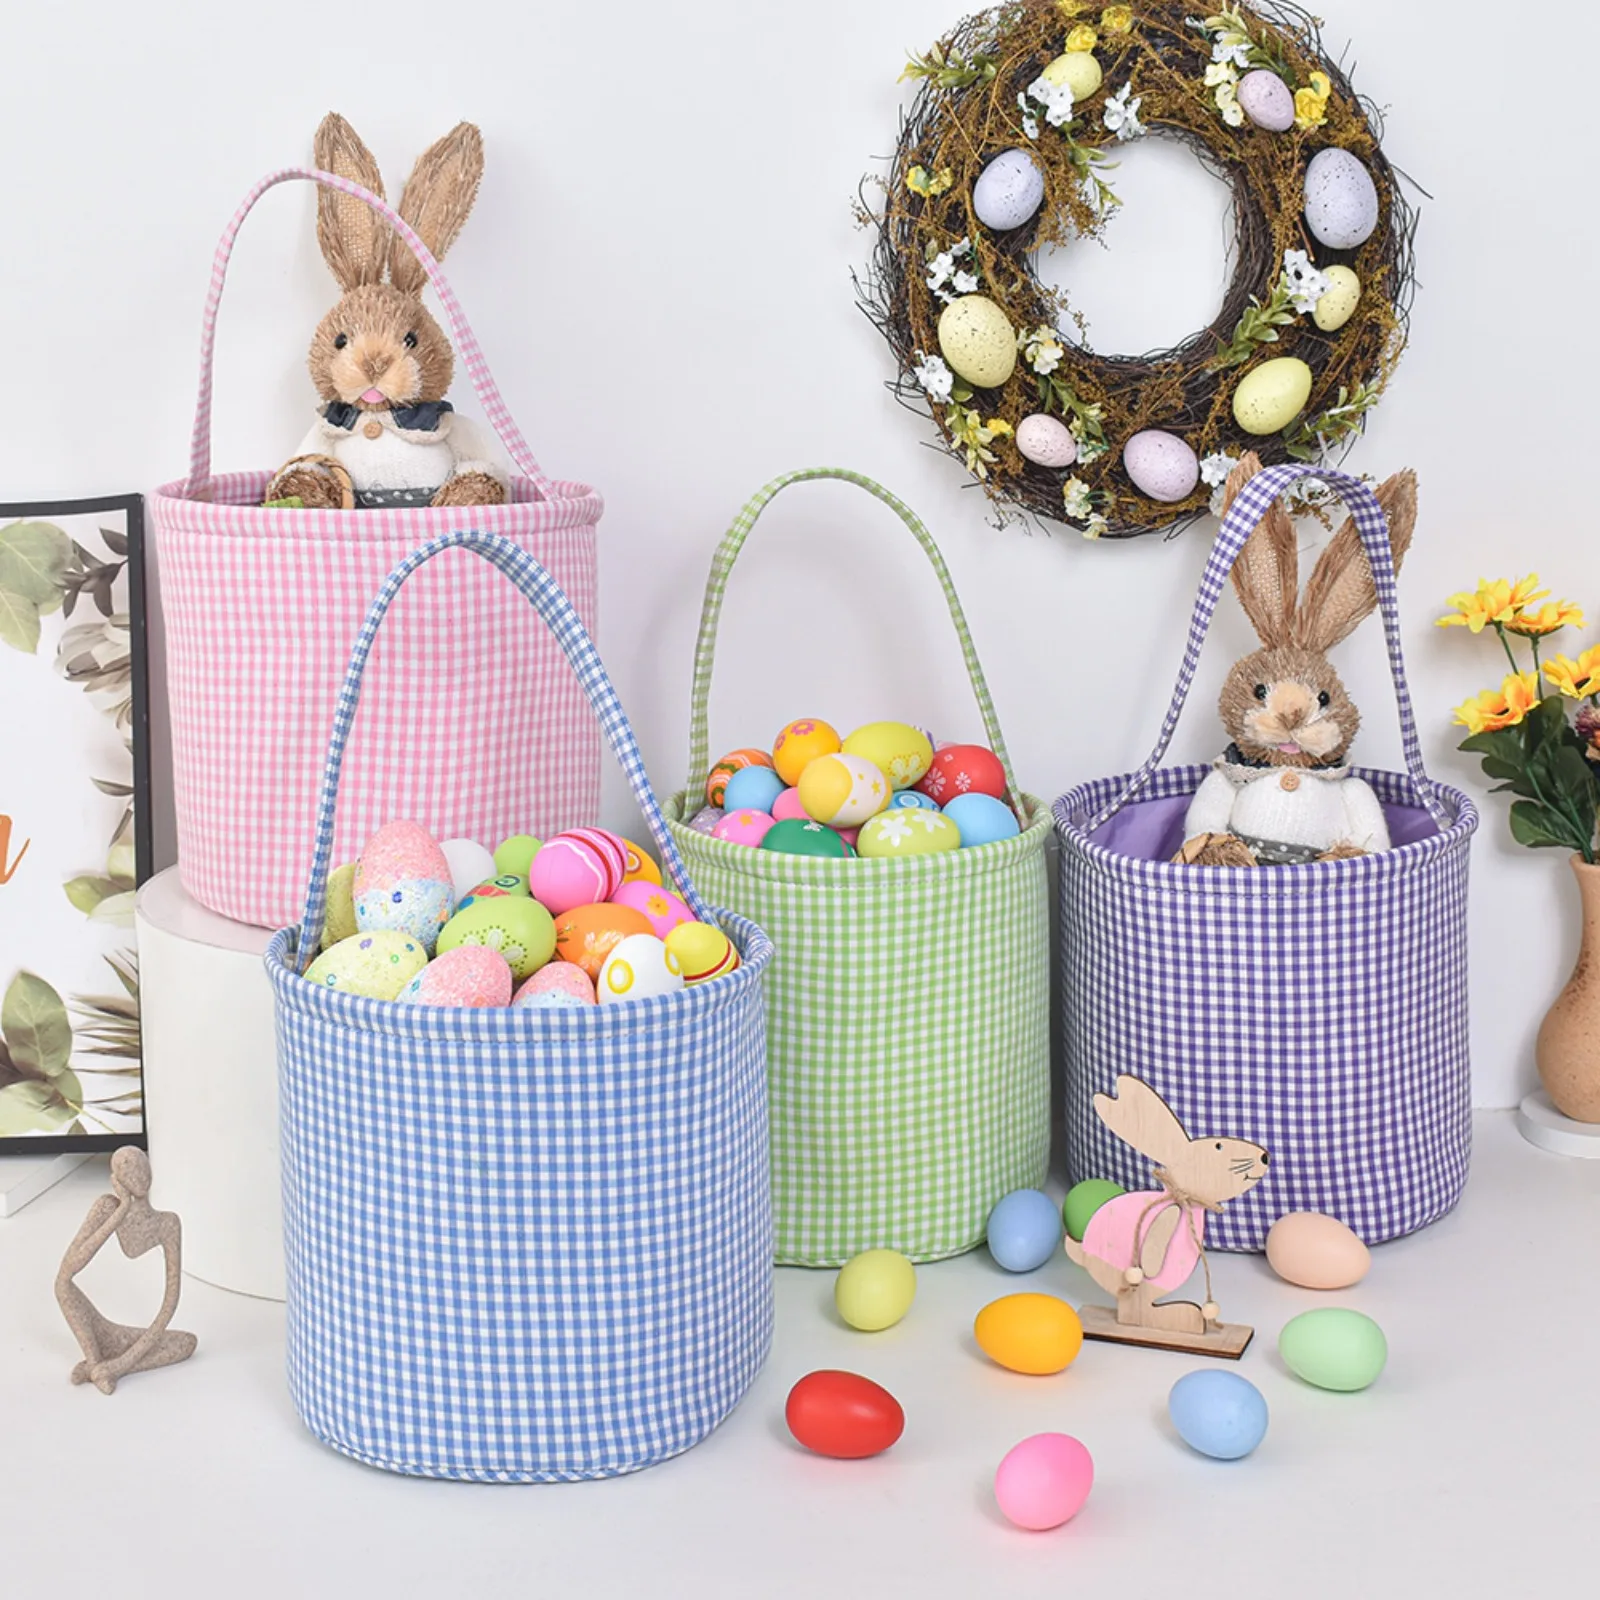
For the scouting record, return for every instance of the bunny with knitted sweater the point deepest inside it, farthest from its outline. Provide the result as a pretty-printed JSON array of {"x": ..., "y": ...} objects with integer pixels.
[
  {"x": 385, "y": 435},
  {"x": 1282, "y": 792},
  {"x": 1143, "y": 1245}
]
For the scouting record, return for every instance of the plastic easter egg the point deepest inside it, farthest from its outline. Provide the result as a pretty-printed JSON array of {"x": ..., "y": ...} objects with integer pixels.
[
  {"x": 1316, "y": 1251},
  {"x": 514, "y": 856},
  {"x": 963, "y": 769},
  {"x": 1033, "y": 1333},
  {"x": 377, "y": 964},
  {"x": 1161, "y": 465},
  {"x": 1083, "y": 1200},
  {"x": 1008, "y": 191},
  {"x": 1044, "y": 1481},
  {"x": 787, "y": 807},
  {"x": 804, "y": 839},
  {"x": 1271, "y": 396},
  {"x": 752, "y": 789},
  {"x": 743, "y": 827},
  {"x": 469, "y": 975},
  {"x": 1218, "y": 1413},
  {"x": 978, "y": 341},
  {"x": 493, "y": 888},
  {"x": 706, "y": 819},
  {"x": 1024, "y": 1230},
  {"x": 703, "y": 952},
  {"x": 899, "y": 751},
  {"x": 1339, "y": 301},
  {"x": 640, "y": 966},
  {"x": 1046, "y": 441},
  {"x": 912, "y": 800},
  {"x": 874, "y": 1290},
  {"x": 403, "y": 882},
  {"x": 521, "y": 929},
  {"x": 1267, "y": 100},
  {"x": 586, "y": 935},
  {"x": 1341, "y": 199},
  {"x": 661, "y": 907},
  {"x": 843, "y": 791},
  {"x": 908, "y": 831},
  {"x": 844, "y": 1415},
  {"x": 798, "y": 744},
  {"x": 469, "y": 862},
  {"x": 339, "y": 911},
  {"x": 641, "y": 866},
  {"x": 1334, "y": 1348},
  {"x": 577, "y": 868},
  {"x": 982, "y": 819},
  {"x": 556, "y": 983},
  {"x": 734, "y": 761}
]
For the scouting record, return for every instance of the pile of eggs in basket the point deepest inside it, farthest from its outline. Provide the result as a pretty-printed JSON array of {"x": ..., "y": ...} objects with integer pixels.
[
  {"x": 883, "y": 792},
  {"x": 580, "y": 920}
]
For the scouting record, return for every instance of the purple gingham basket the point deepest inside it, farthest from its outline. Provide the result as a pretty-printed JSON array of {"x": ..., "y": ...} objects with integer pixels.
[{"x": 1320, "y": 1010}]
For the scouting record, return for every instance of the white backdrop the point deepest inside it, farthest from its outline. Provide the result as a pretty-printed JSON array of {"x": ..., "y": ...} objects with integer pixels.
[{"x": 659, "y": 269}]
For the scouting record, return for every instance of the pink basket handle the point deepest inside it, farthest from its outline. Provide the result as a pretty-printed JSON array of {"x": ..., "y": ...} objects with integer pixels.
[{"x": 483, "y": 384}]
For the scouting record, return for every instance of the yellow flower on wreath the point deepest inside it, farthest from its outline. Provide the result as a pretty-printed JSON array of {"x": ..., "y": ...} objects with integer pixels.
[
  {"x": 1492, "y": 603},
  {"x": 1117, "y": 19},
  {"x": 1069, "y": 8},
  {"x": 1311, "y": 105},
  {"x": 1579, "y": 679},
  {"x": 920, "y": 181},
  {"x": 1499, "y": 708},
  {"x": 1552, "y": 616},
  {"x": 1082, "y": 39}
]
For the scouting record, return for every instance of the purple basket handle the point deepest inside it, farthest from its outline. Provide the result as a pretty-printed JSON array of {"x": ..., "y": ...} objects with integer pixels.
[
  {"x": 1247, "y": 510},
  {"x": 199, "y": 484}
]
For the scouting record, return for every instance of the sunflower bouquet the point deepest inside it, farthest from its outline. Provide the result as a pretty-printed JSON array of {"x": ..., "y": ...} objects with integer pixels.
[{"x": 1543, "y": 746}]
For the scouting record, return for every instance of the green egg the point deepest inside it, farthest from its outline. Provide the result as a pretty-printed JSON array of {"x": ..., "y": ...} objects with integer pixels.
[
  {"x": 519, "y": 928},
  {"x": 1084, "y": 1199},
  {"x": 339, "y": 914},
  {"x": 377, "y": 964},
  {"x": 795, "y": 837},
  {"x": 514, "y": 856},
  {"x": 1334, "y": 1348}
]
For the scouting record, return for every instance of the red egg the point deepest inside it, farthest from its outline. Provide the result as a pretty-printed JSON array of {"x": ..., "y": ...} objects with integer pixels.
[
  {"x": 963, "y": 769},
  {"x": 844, "y": 1415}
]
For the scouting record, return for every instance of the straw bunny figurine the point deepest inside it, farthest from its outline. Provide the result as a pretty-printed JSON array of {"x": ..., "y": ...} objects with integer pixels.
[
  {"x": 1281, "y": 792},
  {"x": 1143, "y": 1245},
  {"x": 385, "y": 435}
]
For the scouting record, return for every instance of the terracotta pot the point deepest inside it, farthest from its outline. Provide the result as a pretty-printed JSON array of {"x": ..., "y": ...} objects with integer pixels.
[{"x": 1568, "y": 1047}]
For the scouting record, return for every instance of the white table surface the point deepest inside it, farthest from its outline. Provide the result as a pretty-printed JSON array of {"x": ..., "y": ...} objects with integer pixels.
[{"x": 1471, "y": 1468}]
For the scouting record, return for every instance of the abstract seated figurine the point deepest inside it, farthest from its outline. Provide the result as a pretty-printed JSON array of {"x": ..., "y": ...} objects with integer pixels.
[{"x": 111, "y": 1350}]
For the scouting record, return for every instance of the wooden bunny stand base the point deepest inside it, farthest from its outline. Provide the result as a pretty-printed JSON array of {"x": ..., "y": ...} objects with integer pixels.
[{"x": 1141, "y": 1246}]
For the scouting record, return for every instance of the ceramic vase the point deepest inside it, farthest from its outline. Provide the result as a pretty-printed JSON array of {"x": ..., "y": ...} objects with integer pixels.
[{"x": 1568, "y": 1047}]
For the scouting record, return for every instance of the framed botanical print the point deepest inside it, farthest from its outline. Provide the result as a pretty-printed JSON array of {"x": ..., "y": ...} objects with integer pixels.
[{"x": 74, "y": 823}]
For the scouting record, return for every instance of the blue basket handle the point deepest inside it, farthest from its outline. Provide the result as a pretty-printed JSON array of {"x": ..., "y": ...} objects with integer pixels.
[
  {"x": 1249, "y": 507},
  {"x": 547, "y": 598}
]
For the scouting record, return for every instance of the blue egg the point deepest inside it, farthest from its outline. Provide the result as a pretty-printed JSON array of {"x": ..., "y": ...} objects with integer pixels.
[
  {"x": 982, "y": 819},
  {"x": 1218, "y": 1413},
  {"x": 913, "y": 800},
  {"x": 752, "y": 789},
  {"x": 1024, "y": 1230}
]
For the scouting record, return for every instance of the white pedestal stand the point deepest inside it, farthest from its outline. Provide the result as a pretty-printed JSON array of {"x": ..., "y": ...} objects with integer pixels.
[{"x": 1540, "y": 1123}]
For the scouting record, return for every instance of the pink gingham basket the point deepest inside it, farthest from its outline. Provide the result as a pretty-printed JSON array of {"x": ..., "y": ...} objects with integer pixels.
[{"x": 475, "y": 725}]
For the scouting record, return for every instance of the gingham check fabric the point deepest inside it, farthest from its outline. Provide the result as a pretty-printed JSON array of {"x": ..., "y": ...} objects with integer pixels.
[
  {"x": 908, "y": 1003},
  {"x": 521, "y": 1245},
  {"x": 1320, "y": 1010},
  {"x": 474, "y": 727}
]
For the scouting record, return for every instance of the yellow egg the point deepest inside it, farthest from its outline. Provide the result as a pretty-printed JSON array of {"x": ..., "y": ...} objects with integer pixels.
[
  {"x": 799, "y": 744},
  {"x": 1316, "y": 1251},
  {"x": 907, "y": 831},
  {"x": 339, "y": 915},
  {"x": 1033, "y": 1333},
  {"x": 874, "y": 1290},
  {"x": 1078, "y": 70},
  {"x": 641, "y": 868},
  {"x": 843, "y": 791},
  {"x": 899, "y": 751},
  {"x": 702, "y": 951},
  {"x": 977, "y": 339},
  {"x": 1271, "y": 396},
  {"x": 377, "y": 964},
  {"x": 1338, "y": 305}
]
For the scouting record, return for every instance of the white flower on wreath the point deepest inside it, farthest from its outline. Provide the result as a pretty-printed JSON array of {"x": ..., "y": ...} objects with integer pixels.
[
  {"x": 935, "y": 377},
  {"x": 965, "y": 282},
  {"x": 1233, "y": 48},
  {"x": 940, "y": 270},
  {"x": 1121, "y": 114},
  {"x": 1075, "y": 499},
  {"x": 1096, "y": 527},
  {"x": 1214, "y": 470},
  {"x": 1305, "y": 283},
  {"x": 1232, "y": 111},
  {"x": 1030, "y": 119},
  {"x": 1056, "y": 98},
  {"x": 1043, "y": 350},
  {"x": 1220, "y": 73}
]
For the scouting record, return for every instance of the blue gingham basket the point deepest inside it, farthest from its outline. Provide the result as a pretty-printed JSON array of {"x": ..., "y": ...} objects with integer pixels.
[
  {"x": 1320, "y": 1010},
  {"x": 522, "y": 1245}
]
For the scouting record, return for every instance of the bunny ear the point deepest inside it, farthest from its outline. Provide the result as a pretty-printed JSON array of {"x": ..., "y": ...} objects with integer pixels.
[
  {"x": 354, "y": 238},
  {"x": 437, "y": 199},
  {"x": 1339, "y": 592},
  {"x": 1141, "y": 1118},
  {"x": 1266, "y": 577}
]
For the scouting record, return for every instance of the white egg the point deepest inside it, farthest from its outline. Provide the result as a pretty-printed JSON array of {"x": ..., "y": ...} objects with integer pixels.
[
  {"x": 639, "y": 966},
  {"x": 1161, "y": 465},
  {"x": 470, "y": 864},
  {"x": 1046, "y": 440},
  {"x": 1267, "y": 100},
  {"x": 1008, "y": 191},
  {"x": 1341, "y": 199}
]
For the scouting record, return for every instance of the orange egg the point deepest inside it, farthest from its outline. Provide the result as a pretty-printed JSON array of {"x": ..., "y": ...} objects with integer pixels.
[
  {"x": 801, "y": 743},
  {"x": 586, "y": 935}
]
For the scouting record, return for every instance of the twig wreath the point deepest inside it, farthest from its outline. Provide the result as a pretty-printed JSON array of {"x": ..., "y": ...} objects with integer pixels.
[{"x": 1006, "y": 150}]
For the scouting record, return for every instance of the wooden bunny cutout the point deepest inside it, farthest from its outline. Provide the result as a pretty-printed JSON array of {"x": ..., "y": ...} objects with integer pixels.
[{"x": 1143, "y": 1245}]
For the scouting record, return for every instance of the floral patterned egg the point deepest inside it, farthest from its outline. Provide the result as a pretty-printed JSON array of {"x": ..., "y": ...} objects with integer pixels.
[
  {"x": 909, "y": 832},
  {"x": 586, "y": 935},
  {"x": 661, "y": 907},
  {"x": 404, "y": 882},
  {"x": 559, "y": 983},
  {"x": 843, "y": 791},
  {"x": 702, "y": 951},
  {"x": 519, "y": 928},
  {"x": 799, "y": 744},
  {"x": 378, "y": 964},
  {"x": 743, "y": 827},
  {"x": 640, "y": 966},
  {"x": 469, "y": 975},
  {"x": 795, "y": 838},
  {"x": 964, "y": 769},
  {"x": 902, "y": 753}
]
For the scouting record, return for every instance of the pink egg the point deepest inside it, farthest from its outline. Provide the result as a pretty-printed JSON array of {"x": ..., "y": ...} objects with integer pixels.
[
  {"x": 562, "y": 979},
  {"x": 612, "y": 848},
  {"x": 578, "y": 868},
  {"x": 1044, "y": 1481},
  {"x": 849, "y": 835},
  {"x": 743, "y": 827},
  {"x": 469, "y": 975},
  {"x": 662, "y": 909},
  {"x": 400, "y": 852},
  {"x": 403, "y": 881},
  {"x": 787, "y": 807}
]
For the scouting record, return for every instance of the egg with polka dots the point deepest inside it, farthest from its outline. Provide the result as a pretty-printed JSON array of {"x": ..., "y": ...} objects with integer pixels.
[{"x": 377, "y": 965}]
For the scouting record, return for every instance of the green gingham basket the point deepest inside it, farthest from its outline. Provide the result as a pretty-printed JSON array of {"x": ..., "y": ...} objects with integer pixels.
[{"x": 908, "y": 1054}]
